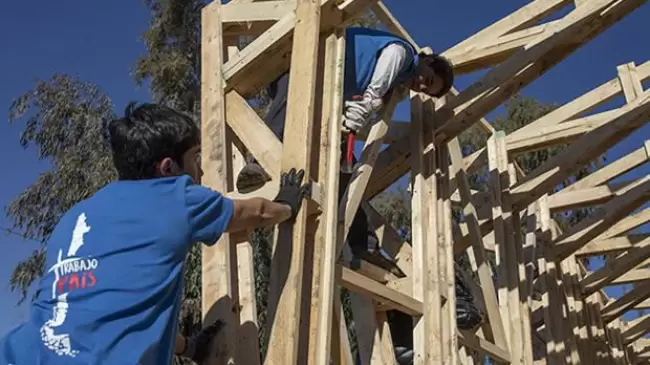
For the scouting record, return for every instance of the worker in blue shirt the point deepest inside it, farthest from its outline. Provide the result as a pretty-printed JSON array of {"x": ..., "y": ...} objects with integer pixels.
[
  {"x": 113, "y": 278},
  {"x": 376, "y": 63}
]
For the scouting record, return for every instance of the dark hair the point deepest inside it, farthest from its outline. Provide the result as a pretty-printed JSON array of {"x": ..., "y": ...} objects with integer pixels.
[
  {"x": 443, "y": 68},
  {"x": 146, "y": 135}
]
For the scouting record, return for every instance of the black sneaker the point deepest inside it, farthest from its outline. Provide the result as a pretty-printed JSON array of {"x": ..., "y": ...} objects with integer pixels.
[
  {"x": 251, "y": 178},
  {"x": 404, "y": 355}
]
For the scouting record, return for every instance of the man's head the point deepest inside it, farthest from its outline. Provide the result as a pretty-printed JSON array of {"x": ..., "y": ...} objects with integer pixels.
[
  {"x": 153, "y": 141},
  {"x": 433, "y": 76}
]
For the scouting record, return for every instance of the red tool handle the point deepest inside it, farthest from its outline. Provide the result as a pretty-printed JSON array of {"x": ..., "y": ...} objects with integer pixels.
[
  {"x": 349, "y": 153},
  {"x": 349, "y": 150}
]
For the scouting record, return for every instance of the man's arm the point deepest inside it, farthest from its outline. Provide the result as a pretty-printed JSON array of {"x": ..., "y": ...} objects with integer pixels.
[
  {"x": 210, "y": 214},
  {"x": 257, "y": 213},
  {"x": 392, "y": 60}
]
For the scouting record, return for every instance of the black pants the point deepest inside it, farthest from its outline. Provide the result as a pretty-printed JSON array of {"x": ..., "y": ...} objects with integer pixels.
[{"x": 362, "y": 234}]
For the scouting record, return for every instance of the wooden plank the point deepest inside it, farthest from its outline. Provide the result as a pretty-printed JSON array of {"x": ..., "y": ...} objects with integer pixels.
[
  {"x": 630, "y": 81},
  {"x": 487, "y": 285},
  {"x": 626, "y": 224},
  {"x": 286, "y": 287},
  {"x": 248, "y": 347},
  {"x": 575, "y": 308},
  {"x": 524, "y": 16},
  {"x": 483, "y": 346},
  {"x": 576, "y": 199},
  {"x": 558, "y": 134},
  {"x": 358, "y": 283},
  {"x": 218, "y": 262},
  {"x": 384, "y": 15},
  {"x": 341, "y": 350},
  {"x": 611, "y": 245},
  {"x": 618, "y": 307},
  {"x": 495, "y": 51},
  {"x": 256, "y": 11},
  {"x": 353, "y": 195},
  {"x": 500, "y": 237},
  {"x": 601, "y": 222},
  {"x": 427, "y": 331},
  {"x": 269, "y": 54},
  {"x": 325, "y": 255},
  {"x": 588, "y": 147},
  {"x": 634, "y": 276},
  {"x": 446, "y": 253},
  {"x": 636, "y": 329},
  {"x": 254, "y": 133},
  {"x": 582, "y": 104},
  {"x": 616, "y": 267},
  {"x": 476, "y": 95},
  {"x": 386, "y": 342},
  {"x": 550, "y": 301},
  {"x": 612, "y": 170}
]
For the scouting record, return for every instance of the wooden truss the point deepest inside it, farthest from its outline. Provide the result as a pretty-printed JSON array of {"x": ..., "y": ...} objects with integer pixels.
[{"x": 545, "y": 307}]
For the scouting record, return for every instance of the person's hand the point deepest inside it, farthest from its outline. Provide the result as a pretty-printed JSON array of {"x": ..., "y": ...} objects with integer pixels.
[
  {"x": 357, "y": 111},
  {"x": 292, "y": 190},
  {"x": 197, "y": 347}
]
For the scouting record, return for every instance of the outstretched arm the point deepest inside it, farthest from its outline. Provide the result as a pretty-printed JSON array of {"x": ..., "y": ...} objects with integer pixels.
[
  {"x": 211, "y": 214},
  {"x": 260, "y": 212},
  {"x": 257, "y": 213}
]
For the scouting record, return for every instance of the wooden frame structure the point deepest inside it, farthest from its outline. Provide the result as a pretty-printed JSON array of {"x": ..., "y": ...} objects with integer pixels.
[{"x": 545, "y": 307}]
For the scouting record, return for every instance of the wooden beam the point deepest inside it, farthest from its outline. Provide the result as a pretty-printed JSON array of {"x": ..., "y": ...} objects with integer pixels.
[
  {"x": 601, "y": 221},
  {"x": 427, "y": 331},
  {"x": 288, "y": 263},
  {"x": 576, "y": 199},
  {"x": 324, "y": 294},
  {"x": 617, "y": 308},
  {"x": 592, "y": 144},
  {"x": 611, "y": 245},
  {"x": 256, "y": 11},
  {"x": 358, "y": 283},
  {"x": 218, "y": 276},
  {"x": 485, "y": 276},
  {"x": 634, "y": 276},
  {"x": 616, "y": 267},
  {"x": 552, "y": 122},
  {"x": 636, "y": 328},
  {"x": 268, "y": 56}
]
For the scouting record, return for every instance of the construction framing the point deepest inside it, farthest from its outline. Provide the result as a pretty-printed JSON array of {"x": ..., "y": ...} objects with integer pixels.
[{"x": 545, "y": 307}]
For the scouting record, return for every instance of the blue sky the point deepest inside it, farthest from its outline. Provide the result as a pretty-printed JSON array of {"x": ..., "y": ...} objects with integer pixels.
[{"x": 100, "y": 40}]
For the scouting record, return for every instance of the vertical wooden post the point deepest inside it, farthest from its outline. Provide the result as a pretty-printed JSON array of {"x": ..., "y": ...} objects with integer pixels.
[
  {"x": 427, "y": 333},
  {"x": 219, "y": 280},
  {"x": 325, "y": 255},
  {"x": 286, "y": 292}
]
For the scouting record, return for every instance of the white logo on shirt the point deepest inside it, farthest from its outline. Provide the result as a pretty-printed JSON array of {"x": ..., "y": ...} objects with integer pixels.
[{"x": 71, "y": 273}]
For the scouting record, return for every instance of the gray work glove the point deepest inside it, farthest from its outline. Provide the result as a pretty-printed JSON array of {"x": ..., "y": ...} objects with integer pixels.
[
  {"x": 357, "y": 112},
  {"x": 197, "y": 347}
]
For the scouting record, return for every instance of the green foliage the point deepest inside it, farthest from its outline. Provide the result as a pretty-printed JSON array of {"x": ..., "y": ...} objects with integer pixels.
[{"x": 64, "y": 119}]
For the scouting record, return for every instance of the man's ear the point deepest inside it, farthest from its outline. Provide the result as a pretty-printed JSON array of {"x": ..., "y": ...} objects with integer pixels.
[{"x": 167, "y": 167}]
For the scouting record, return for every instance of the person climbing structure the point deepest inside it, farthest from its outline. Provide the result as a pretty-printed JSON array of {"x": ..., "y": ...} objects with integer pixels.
[{"x": 377, "y": 62}]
